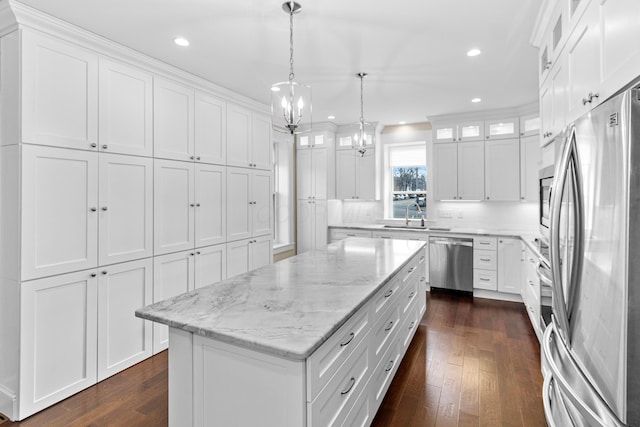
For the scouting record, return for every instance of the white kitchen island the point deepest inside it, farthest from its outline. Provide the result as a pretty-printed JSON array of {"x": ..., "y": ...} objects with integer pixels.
[{"x": 313, "y": 340}]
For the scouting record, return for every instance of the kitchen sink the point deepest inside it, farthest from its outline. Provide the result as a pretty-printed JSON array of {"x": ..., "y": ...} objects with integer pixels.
[{"x": 418, "y": 227}]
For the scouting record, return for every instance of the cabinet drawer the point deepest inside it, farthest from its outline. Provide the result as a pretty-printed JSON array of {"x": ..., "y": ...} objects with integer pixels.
[
  {"x": 485, "y": 243},
  {"x": 410, "y": 271},
  {"x": 384, "y": 332},
  {"x": 386, "y": 296},
  {"x": 327, "y": 359},
  {"x": 408, "y": 296},
  {"x": 408, "y": 328},
  {"x": 485, "y": 279},
  {"x": 335, "y": 401},
  {"x": 360, "y": 414},
  {"x": 382, "y": 376},
  {"x": 485, "y": 259}
]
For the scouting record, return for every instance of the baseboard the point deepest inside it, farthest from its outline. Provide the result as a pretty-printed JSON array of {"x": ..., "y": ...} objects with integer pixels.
[
  {"x": 481, "y": 293},
  {"x": 8, "y": 404}
]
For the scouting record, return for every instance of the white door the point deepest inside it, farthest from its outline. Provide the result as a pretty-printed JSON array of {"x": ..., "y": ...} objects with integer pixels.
[
  {"x": 260, "y": 252},
  {"x": 319, "y": 172},
  {"x": 366, "y": 175},
  {"x": 510, "y": 259},
  {"x": 59, "y": 93},
  {"x": 126, "y": 110},
  {"x": 445, "y": 171},
  {"x": 502, "y": 170},
  {"x": 305, "y": 226},
  {"x": 174, "y": 206},
  {"x": 504, "y": 128},
  {"x": 471, "y": 170},
  {"x": 345, "y": 174},
  {"x": 173, "y": 274},
  {"x": 262, "y": 196},
  {"x": 238, "y": 136},
  {"x": 210, "y": 129},
  {"x": 237, "y": 258},
  {"x": 530, "y": 162},
  {"x": 211, "y": 265},
  {"x": 320, "y": 224},
  {"x": 261, "y": 141},
  {"x": 471, "y": 131},
  {"x": 305, "y": 173},
  {"x": 172, "y": 120},
  {"x": 59, "y": 211},
  {"x": 210, "y": 210},
  {"x": 58, "y": 335},
  {"x": 123, "y": 338},
  {"x": 125, "y": 208},
  {"x": 238, "y": 207}
]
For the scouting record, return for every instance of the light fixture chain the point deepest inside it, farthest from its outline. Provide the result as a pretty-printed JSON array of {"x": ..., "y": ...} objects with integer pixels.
[
  {"x": 361, "y": 98},
  {"x": 291, "y": 75}
]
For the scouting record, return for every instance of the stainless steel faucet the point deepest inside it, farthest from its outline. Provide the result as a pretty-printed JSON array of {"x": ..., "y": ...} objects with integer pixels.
[{"x": 406, "y": 212}]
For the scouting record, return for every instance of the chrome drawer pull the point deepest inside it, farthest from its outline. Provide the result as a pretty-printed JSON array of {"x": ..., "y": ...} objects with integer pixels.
[
  {"x": 412, "y": 324},
  {"x": 389, "y": 366},
  {"x": 351, "y": 336},
  {"x": 388, "y": 328},
  {"x": 484, "y": 279},
  {"x": 353, "y": 382},
  {"x": 389, "y": 293},
  {"x": 411, "y": 294},
  {"x": 485, "y": 243}
]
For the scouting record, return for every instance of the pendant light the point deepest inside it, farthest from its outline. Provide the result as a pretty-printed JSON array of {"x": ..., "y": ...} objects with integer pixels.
[
  {"x": 290, "y": 100},
  {"x": 362, "y": 138}
]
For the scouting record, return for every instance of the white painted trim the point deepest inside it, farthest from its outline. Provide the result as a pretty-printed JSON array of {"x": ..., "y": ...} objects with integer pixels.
[
  {"x": 543, "y": 17},
  {"x": 502, "y": 296},
  {"x": 8, "y": 403},
  {"x": 487, "y": 114},
  {"x": 285, "y": 247}
]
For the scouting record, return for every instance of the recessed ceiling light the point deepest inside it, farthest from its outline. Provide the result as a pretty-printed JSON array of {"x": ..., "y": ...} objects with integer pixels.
[
  {"x": 181, "y": 41},
  {"x": 475, "y": 100},
  {"x": 275, "y": 89},
  {"x": 331, "y": 117},
  {"x": 474, "y": 52},
  {"x": 402, "y": 122}
]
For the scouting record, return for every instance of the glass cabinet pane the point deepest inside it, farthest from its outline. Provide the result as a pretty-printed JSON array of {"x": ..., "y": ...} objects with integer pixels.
[
  {"x": 345, "y": 141},
  {"x": 444, "y": 133},
  {"x": 319, "y": 140},
  {"x": 470, "y": 131},
  {"x": 304, "y": 141},
  {"x": 501, "y": 128}
]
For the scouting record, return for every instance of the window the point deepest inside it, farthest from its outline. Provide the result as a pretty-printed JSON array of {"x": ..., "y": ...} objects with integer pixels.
[
  {"x": 408, "y": 180},
  {"x": 283, "y": 196}
]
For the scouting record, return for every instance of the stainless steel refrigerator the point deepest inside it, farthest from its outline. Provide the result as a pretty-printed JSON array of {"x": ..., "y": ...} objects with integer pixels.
[{"x": 591, "y": 350}]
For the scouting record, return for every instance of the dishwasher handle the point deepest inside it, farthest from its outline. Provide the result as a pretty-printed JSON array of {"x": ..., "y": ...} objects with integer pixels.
[{"x": 450, "y": 242}]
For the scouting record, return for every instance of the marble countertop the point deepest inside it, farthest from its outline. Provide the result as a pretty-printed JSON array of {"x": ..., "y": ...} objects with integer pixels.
[{"x": 291, "y": 307}]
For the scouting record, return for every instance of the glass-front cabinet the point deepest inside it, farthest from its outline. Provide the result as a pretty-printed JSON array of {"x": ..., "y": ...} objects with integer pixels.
[{"x": 502, "y": 128}]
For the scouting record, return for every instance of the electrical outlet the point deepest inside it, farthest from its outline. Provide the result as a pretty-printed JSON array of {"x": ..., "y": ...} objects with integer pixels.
[{"x": 445, "y": 213}]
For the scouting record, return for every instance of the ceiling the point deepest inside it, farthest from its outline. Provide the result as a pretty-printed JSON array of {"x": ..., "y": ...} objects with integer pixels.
[{"x": 413, "y": 50}]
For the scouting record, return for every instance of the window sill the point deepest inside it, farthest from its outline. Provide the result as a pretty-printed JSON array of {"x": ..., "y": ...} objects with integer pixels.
[{"x": 283, "y": 247}]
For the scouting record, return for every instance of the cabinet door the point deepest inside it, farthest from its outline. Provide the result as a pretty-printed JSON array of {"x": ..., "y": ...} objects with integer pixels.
[
  {"x": 261, "y": 209},
  {"x": 173, "y": 274},
  {"x": 445, "y": 133},
  {"x": 502, "y": 170},
  {"x": 510, "y": 257},
  {"x": 54, "y": 72},
  {"x": 530, "y": 164},
  {"x": 320, "y": 224},
  {"x": 172, "y": 121},
  {"x": 304, "y": 174},
  {"x": 238, "y": 136},
  {"x": 59, "y": 211},
  {"x": 126, "y": 110},
  {"x": 174, "y": 205},
  {"x": 261, "y": 141},
  {"x": 546, "y": 112},
  {"x": 530, "y": 124},
  {"x": 211, "y": 265},
  {"x": 58, "y": 331},
  {"x": 123, "y": 338},
  {"x": 319, "y": 172},
  {"x": 260, "y": 252},
  {"x": 502, "y": 128},
  {"x": 366, "y": 175},
  {"x": 237, "y": 258},
  {"x": 210, "y": 129},
  {"x": 238, "y": 207},
  {"x": 471, "y": 131},
  {"x": 305, "y": 226},
  {"x": 558, "y": 97},
  {"x": 210, "y": 210},
  {"x": 471, "y": 170},
  {"x": 445, "y": 171},
  {"x": 125, "y": 208},
  {"x": 345, "y": 174}
]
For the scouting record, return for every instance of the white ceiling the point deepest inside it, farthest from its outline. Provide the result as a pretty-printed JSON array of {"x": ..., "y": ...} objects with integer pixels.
[{"x": 413, "y": 50}]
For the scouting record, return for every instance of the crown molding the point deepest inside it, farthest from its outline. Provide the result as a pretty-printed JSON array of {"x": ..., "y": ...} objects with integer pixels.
[
  {"x": 15, "y": 15},
  {"x": 542, "y": 19},
  {"x": 521, "y": 110}
]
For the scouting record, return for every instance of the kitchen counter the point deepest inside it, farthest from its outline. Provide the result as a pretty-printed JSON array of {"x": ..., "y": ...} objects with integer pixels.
[{"x": 291, "y": 307}]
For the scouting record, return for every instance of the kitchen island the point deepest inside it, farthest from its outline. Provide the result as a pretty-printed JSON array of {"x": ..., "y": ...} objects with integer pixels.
[{"x": 313, "y": 340}]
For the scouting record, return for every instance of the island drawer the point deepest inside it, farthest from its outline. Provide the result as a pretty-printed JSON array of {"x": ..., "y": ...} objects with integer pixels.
[
  {"x": 334, "y": 402},
  {"x": 386, "y": 296},
  {"x": 409, "y": 327},
  {"x": 384, "y": 332},
  {"x": 485, "y": 279},
  {"x": 360, "y": 414},
  {"x": 485, "y": 259},
  {"x": 383, "y": 374},
  {"x": 328, "y": 358},
  {"x": 410, "y": 270},
  {"x": 408, "y": 296},
  {"x": 485, "y": 243}
]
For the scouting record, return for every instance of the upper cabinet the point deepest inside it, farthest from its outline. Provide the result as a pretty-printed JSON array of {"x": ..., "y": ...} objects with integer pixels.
[
  {"x": 530, "y": 124},
  {"x": 248, "y": 138},
  {"x": 502, "y": 170},
  {"x": 59, "y": 93},
  {"x": 464, "y": 131},
  {"x": 172, "y": 120},
  {"x": 355, "y": 175},
  {"x": 459, "y": 171},
  {"x": 210, "y": 131},
  {"x": 502, "y": 128}
]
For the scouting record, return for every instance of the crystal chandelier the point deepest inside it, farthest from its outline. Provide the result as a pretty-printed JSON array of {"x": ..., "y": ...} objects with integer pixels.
[
  {"x": 362, "y": 138},
  {"x": 291, "y": 101}
]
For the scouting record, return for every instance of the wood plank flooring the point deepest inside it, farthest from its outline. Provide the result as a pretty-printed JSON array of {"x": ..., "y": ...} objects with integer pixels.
[{"x": 472, "y": 362}]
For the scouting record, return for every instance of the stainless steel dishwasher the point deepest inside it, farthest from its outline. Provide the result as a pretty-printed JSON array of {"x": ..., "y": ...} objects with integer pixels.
[{"x": 451, "y": 263}]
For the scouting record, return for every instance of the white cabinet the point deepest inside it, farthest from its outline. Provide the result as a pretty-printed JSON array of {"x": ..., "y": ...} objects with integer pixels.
[
  {"x": 248, "y": 138},
  {"x": 311, "y": 225},
  {"x": 58, "y": 337},
  {"x": 530, "y": 165},
  {"x": 249, "y": 254},
  {"x": 189, "y": 205},
  {"x": 502, "y": 169},
  {"x": 125, "y": 208},
  {"x": 355, "y": 175},
  {"x": 311, "y": 173},
  {"x": 530, "y": 124},
  {"x": 445, "y": 171},
  {"x": 314, "y": 140},
  {"x": 336, "y": 234},
  {"x": 484, "y": 263},
  {"x": 123, "y": 339},
  {"x": 211, "y": 265},
  {"x": 125, "y": 109},
  {"x": 459, "y": 171},
  {"x": 502, "y": 128},
  {"x": 248, "y": 203},
  {"x": 510, "y": 258},
  {"x": 54, "y": 71},
  {"x": 210, "y": 131},
  {"x": 456, "y": 132},
  {"x": 553, "y": 101},
  {"x": 173, "y": 135},
  {"x": 59, "y": 211}
]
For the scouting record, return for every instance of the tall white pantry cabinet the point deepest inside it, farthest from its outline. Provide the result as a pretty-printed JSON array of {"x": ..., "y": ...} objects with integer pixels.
[{"x": 114, "y": 194}]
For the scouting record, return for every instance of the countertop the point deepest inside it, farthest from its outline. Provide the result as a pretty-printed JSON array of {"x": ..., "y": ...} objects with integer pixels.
[{"x": 291, "y": 307}]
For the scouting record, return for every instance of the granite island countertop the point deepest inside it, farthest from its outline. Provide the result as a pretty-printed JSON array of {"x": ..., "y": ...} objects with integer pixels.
[{"x": 291, "y": 307}]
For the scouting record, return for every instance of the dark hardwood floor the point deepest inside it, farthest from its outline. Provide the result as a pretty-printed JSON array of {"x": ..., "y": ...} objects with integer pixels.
[{"x": 472, "y": 362}]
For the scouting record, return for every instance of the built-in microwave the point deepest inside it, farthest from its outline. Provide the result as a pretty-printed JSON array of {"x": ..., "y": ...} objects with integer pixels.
[{"x": 546, "y": 187}]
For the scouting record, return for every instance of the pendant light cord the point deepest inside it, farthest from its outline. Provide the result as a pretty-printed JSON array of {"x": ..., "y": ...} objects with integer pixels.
[{"x": 291, "y": 75}]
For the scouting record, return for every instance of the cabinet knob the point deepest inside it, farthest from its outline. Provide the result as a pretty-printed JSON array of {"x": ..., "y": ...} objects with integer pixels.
[
  {"x": 487, "y": 136},
  {"x": 547, "y": 65},
  {"x": 487, "y": 198},
  {"x": 94, "y": 145},
  {"x": 192, "y": 157},
  {"x": 93, "y": 274},
  {"x": 192, "y": 205},
  {"x": 104, "y": 272},
  {"x": 198, "y": 158},
  {"x": 192, "y": 254},
  {"x": 197, "y": 205},
  {"x": 197, "y": 252},
  {"x": 104, "y": 208},
  {"x": 104, "y": 147},
  {"x": 93, "y": 209},
  {"x": 521, "y": 197}
]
